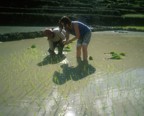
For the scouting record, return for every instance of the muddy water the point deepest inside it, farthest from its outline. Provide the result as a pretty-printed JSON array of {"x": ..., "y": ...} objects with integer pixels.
[{"x": 33, "y": 84}]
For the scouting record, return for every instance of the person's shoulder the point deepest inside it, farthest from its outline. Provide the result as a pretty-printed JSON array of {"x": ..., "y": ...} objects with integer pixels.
[
  {"x": 75, "y": 21},
  {"x": 78, "y": 22},
  {"x": 56, "y": 29}
]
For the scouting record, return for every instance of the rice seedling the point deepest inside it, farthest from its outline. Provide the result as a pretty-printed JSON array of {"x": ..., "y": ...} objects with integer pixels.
[
  {"x": 67, "y": 48},
  {"x": 33, "y": 46},
  {"x": 117, "y": 56},
  {"x": 122, "y": 54},
  {"x": 90, "y": 58}
]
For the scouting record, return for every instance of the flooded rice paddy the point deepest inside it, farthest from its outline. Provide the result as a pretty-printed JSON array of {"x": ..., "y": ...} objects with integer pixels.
[{"x": 33, "y": 84}]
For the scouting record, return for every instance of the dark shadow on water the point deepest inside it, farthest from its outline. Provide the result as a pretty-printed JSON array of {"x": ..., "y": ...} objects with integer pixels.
[
  {"x": 51, "y": 60},
  {"x": 72, "y": 73}
]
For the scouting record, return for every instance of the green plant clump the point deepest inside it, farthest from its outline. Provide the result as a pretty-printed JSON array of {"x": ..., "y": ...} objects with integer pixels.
[
  {"x": 122, "y": 54},
  {"x": 33, "y": 46},
  {"x": 90, "y": 58},
  {"x": 116, "y": 55},
  {"x": 67, "y": 48}
]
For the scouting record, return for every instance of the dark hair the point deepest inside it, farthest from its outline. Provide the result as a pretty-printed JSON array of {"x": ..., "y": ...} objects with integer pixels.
[{"x": 66, "y": 20}]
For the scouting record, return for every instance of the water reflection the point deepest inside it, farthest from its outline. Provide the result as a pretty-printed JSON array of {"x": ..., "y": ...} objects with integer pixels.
[
  {"x": 70, "y": 113},
  {"x": 72, "y": 73}
]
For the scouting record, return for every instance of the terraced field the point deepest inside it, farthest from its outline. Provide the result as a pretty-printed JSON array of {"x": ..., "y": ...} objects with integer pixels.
[{"x": 96, "y": 12}]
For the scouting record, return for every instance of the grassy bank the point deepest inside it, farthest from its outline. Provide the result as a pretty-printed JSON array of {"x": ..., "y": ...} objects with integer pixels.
[
  {"x": 131, "y": 28},
  {"x": 133, "y": 16}
]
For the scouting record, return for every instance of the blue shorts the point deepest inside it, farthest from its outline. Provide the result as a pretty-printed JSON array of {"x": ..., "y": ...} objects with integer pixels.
[{"x": 84, "y": 40}]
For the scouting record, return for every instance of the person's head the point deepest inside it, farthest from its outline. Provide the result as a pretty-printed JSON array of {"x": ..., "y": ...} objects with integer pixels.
[
  {"x": 49, "y": 33},
  {"x": 65, "y": 22}
]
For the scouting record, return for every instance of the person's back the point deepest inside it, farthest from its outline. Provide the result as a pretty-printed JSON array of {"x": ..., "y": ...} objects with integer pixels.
[
  {"x": 58, "y": 35},
  {"x": 55, "y": 39},
  {"x": 82, "y": 28}
]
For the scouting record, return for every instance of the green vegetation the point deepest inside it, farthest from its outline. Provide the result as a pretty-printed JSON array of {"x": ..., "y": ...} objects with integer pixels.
[
  {"x": 107, "y": 14},
  {"x": 133, "y": 16},
  {"x": 33, "y": 46},
  {"x": 116, "y": 56},
  {"x": 139, "y": 28},
  {"x": 90, "y": 58},
  {"x": 67, "y": 48},
  {"x": 94, "y": 12},
  {"x": 122, "y": 54},
  {"x": 20, "y": 36}
]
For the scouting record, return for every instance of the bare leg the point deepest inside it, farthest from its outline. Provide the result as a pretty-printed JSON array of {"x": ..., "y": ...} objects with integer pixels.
[
  {"x": 85, "y": 52},
  {"x": 78, "y": 54},
  {"x": 85, "y": 55}
]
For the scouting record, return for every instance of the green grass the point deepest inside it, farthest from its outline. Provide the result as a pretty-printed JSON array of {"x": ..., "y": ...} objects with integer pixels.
[
  {"x": 138, "y": 28},
  {"x": 133, "y": 16},
  {"x": 134, "y": 27}
]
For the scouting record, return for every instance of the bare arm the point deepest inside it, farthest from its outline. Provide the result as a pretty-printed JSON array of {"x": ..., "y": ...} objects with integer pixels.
[
  {"x": 76, "y": 29},
  {"x": 71, "y": 40},
  {"x": 67, "y": 36}
]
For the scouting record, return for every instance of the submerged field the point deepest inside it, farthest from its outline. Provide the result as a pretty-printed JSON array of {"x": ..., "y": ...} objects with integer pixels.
[{"x": 32, "y": 84}]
